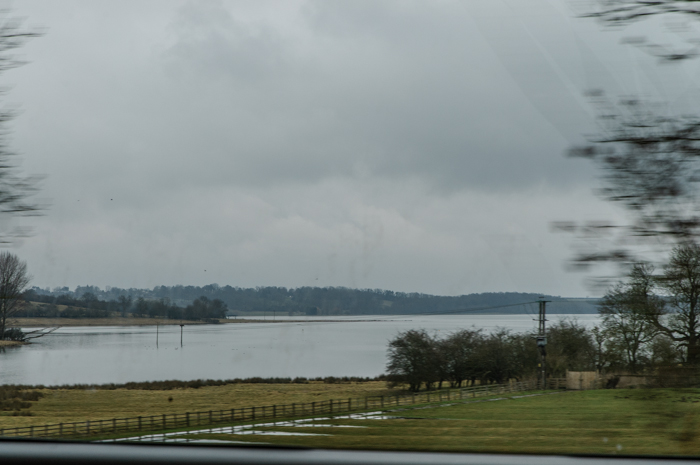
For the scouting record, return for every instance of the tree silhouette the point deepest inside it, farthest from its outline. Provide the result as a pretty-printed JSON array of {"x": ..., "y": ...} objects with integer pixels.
[{"x": 13, "y": 282}]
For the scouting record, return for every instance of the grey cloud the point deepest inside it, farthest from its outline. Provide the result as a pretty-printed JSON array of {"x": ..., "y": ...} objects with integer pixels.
[
  {"x": 420, "y": 97},
  {"x": 345, "y": 141}
]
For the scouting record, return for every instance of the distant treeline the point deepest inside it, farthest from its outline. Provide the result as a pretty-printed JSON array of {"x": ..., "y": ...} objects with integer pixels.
[
  {"x": 311, "y": 300},
  {"x": 195, "y": 384},
  {"x": 89, "y": 306}
]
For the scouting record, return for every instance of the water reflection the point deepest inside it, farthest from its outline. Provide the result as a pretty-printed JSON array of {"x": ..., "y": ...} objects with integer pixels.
[{"x": 328, "y": 347}]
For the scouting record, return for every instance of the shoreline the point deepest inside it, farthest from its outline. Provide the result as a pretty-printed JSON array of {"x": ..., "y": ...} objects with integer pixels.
[{"x": 71, "y": 322}]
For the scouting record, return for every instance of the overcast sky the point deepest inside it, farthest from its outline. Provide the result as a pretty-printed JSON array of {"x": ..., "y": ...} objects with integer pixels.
[{"x": 412, "y": 146}]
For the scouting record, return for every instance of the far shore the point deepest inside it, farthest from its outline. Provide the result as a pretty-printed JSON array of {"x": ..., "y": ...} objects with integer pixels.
[{"x": 46, "y": 322}]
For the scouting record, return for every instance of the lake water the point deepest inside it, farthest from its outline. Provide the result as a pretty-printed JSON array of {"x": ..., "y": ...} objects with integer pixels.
[{"x": 335, "y": 346}]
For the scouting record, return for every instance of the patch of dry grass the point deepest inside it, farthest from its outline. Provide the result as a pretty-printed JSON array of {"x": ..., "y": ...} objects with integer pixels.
[
  {"x": 11, "y": 343},
  {"x": 68, "y": 405}
]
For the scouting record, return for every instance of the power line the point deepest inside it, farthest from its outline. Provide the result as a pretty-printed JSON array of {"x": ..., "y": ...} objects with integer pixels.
[{"x": 473, "y": 309}]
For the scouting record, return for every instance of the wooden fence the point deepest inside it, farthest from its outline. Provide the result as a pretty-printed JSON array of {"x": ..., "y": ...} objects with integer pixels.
[
  {"x": 157, "y": 423},
  {"x": 556, "y": 383}
]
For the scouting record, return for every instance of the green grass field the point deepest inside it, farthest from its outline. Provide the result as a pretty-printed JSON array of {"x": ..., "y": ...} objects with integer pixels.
[{"x": 657, "y": 422}]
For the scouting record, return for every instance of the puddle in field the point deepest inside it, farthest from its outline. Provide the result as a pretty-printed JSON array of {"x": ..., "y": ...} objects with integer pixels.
[{"x": 253, "y": 429}]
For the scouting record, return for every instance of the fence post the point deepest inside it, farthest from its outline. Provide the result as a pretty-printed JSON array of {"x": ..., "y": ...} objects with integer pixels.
[
  {"x": 60, "y": 430},
  {"x": 330, "y": 403},
  {"x": 274, "y": 411},
  {"x": 349, "y": 404},
  {"x": 313, "y": 408},
  {"x": 139, "y": 423},
  {"x": 232, "y": 414},
  {"x": 211, "y": 418},
  {"x": 87, "y": 427},
  {"x": 187, "y": 418},
  {"x": 253, "y": 413},
  {"x": 366, "y": 403}
]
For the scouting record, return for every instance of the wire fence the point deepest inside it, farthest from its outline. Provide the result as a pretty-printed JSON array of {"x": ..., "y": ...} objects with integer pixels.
[{"x": 173, "y": 421}]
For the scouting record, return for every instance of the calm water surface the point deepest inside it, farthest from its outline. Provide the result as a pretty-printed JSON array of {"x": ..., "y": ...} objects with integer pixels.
[{"x": 332, "y": 347}]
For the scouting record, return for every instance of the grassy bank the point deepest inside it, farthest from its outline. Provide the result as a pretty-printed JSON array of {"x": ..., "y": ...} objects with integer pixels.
[
  {"x": 656, "y": 422},
  {"x": 66, "y": 405},
  {"x": 11, "y": 343}
]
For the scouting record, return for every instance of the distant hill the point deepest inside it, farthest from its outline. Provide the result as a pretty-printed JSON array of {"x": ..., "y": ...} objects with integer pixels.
[{"x": 335, "y": 300}]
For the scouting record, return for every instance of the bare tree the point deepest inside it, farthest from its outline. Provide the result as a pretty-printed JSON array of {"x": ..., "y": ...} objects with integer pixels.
[
  {"x": 624, "y": 312},
  {"x": 681, "y": 280},
  {"x": 13, "y": 282}
]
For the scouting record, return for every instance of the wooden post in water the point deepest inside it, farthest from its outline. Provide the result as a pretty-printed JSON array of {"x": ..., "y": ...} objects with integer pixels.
[{"x": 181, "y": 326}]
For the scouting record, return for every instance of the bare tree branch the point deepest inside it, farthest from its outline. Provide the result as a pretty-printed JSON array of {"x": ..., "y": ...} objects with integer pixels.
[
  {"x": 651, "y": 167},
  {"x": 626, "y": 11}
]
